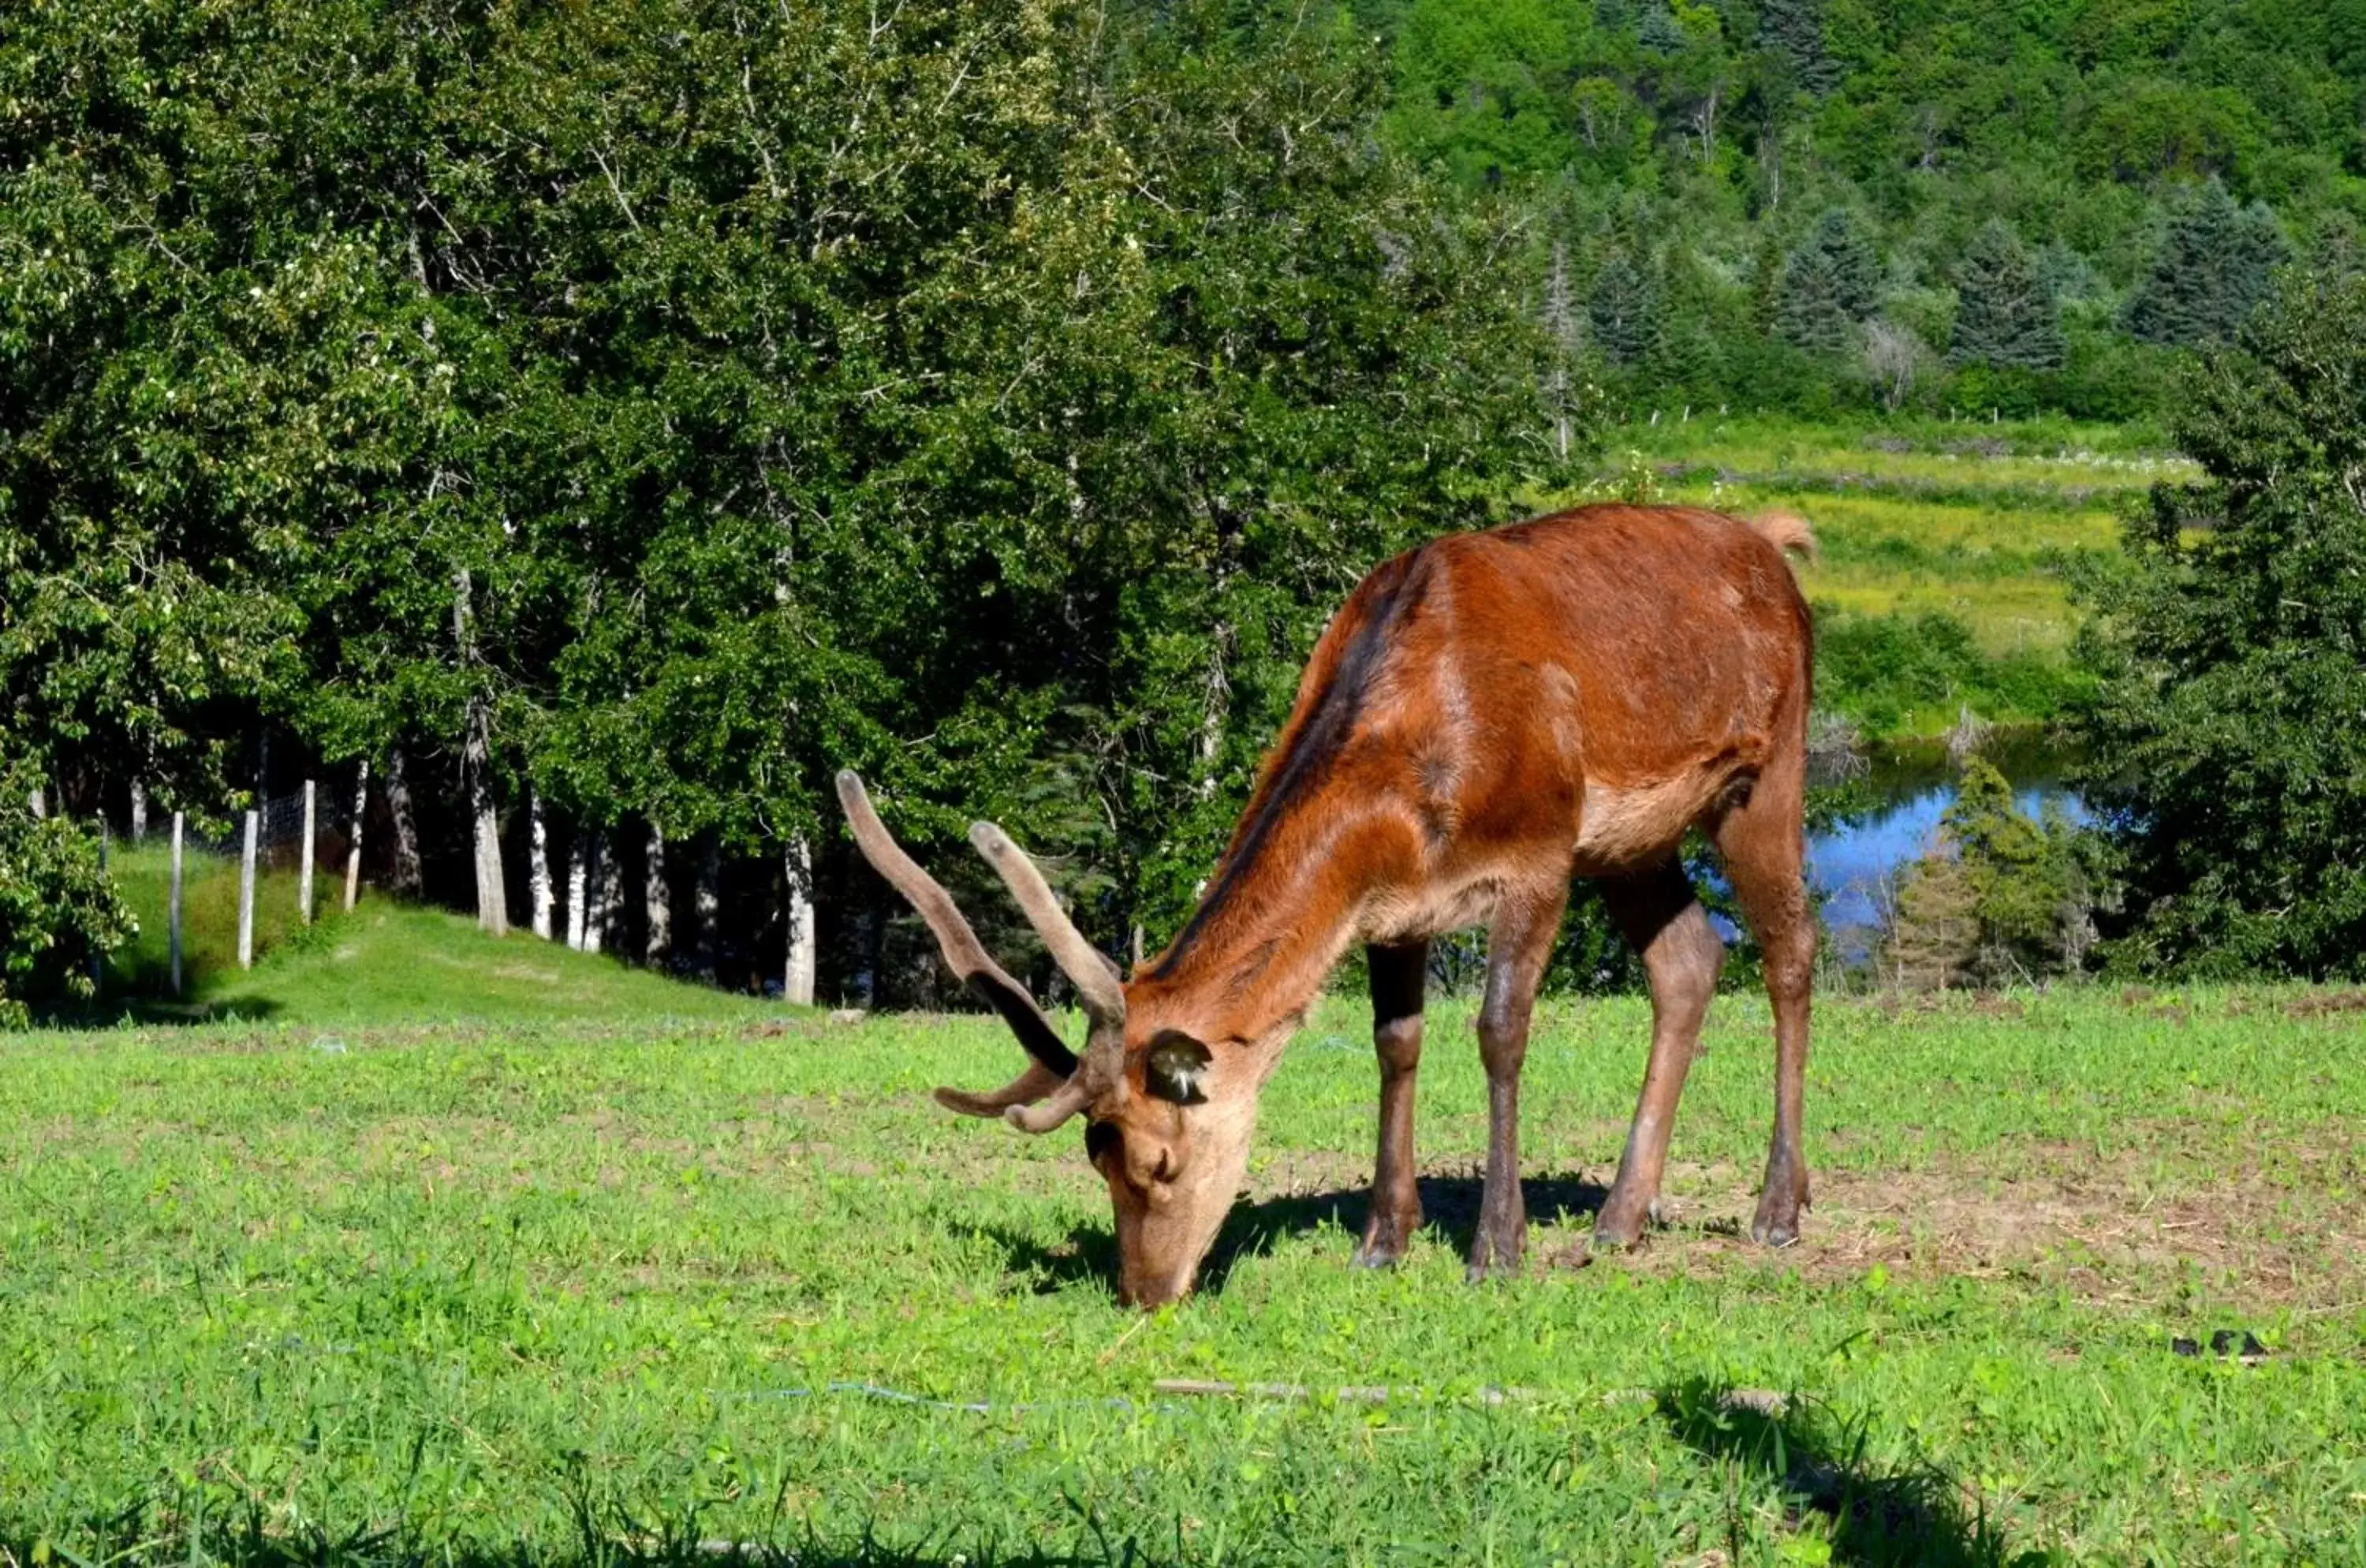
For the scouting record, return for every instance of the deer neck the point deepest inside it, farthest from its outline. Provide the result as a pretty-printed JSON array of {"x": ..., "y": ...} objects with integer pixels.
[{"x": 1266, "y": 933}]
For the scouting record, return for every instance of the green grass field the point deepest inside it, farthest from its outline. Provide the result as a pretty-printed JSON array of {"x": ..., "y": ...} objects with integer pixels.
[
  {"x": 1964, "y": 518},
  {"x": 616, "y": 1270}
]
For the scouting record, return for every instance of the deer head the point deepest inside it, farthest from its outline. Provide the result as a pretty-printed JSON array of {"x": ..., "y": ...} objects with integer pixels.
[{"x": 1166, "y": 1120}]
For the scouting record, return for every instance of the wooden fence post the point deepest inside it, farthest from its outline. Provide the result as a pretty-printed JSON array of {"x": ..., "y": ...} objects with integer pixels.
[
  {"x": 246, "y": 897},
  {"x": 173, "y": 907},
  {"x": 304, "y": 882}
]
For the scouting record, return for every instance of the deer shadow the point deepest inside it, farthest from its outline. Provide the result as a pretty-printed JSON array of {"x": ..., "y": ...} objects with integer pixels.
[
  {"x": 1449, "y": 1205},
  {"x": 1880, "y": 1515}
]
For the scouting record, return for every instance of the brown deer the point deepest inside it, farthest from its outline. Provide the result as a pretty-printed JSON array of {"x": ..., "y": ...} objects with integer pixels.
[{"x": 1486, "y": 717}]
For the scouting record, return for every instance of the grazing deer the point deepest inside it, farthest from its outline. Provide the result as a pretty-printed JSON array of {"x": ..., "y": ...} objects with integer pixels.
[{"x": 1486, "y": 717}]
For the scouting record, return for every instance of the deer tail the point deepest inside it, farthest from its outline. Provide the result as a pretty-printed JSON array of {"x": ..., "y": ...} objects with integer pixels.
[{"x": 1787, "y": 531}]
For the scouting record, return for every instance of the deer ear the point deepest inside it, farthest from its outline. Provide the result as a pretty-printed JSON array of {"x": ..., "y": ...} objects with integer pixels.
[{"x": 1176, "y": 1068}]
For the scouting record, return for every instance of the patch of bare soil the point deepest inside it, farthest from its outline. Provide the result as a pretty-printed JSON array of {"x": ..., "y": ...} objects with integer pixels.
[
  {"x": 2324, "y": 1004},
  {"x": 2111, "y": 1231}
]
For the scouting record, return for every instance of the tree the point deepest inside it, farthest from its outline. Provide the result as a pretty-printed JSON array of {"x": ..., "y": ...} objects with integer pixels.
[
  {"x": 2004, "y": 314},
  {"x": 1623, "y": 308},
  {"x": 1793, "y": 31},
  {"x": 2215, "y": 263},
  {"x": 2228, "y": 736},
  {"x": 57, "y": 907},
  {"x": 1832, "y": 280},
  {"x": 1841, "y": 237},
  {"x": 1810, "y": 312}
]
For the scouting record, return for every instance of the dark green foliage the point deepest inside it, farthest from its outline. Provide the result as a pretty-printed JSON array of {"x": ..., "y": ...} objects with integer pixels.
[
  {"x": 1659, "y": 33},
  {"x": 1809, "y": 313},
  {"x": 1840, "y": 237},
  {"x": 1879, "y": 670},
  {"x": 1794, "y": 31},
  {"x": 1830, "y": 281},
  {"x": 1733, "y": 133},
  {"x": 1623, "y": 308},
  {"x": 2002, "y": 898},
  {"x": 2213, "y": 268},
  {"x": 704, "y": 398},
  {"x": 2005, "y": 315},
  {"x": 57, "y": 907},
  {"x": 2229, "y": 727}
]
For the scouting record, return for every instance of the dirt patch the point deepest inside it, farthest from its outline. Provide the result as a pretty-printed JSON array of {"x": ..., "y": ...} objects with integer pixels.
[
  {"x": 2325, "y": 1004},
  {"x": 2108, "y": 1231}
]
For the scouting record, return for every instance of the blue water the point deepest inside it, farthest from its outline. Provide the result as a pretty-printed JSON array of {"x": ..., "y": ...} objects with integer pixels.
[{"x": 1849, "y": 865}]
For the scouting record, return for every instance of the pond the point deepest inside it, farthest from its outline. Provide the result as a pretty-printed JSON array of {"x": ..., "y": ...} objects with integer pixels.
[{"x": 1851, "y": 863}]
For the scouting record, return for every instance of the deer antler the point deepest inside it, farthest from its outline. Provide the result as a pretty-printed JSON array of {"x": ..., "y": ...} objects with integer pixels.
[
  {"x": 1097, "y": 988},
  {"x": 1097, "y": 984},
  {"x": 1053, "y": 1071}
]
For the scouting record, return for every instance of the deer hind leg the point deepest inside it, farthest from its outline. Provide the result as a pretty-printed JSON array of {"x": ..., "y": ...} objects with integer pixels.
[
  {"x": 1518, "y": 946},
  {"x": 1397, "y": 973},
  {"x": 1662, "y": 919},
  {"x": 1763, "y": 850}
]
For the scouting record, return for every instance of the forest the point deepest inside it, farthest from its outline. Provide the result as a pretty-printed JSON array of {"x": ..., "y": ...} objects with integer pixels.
[{"x": 583, "y": 430}]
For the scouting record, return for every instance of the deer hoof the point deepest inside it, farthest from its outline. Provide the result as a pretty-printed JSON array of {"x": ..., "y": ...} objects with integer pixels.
[
  {"x": 1493, "y": 1262},
  {"x": 1621, "y": 1223},
  {"x": 1774, "y": 1231}
]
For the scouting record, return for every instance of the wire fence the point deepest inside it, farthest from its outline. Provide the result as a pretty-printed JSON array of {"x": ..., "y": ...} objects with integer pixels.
[{"x": 228, "y": 893}]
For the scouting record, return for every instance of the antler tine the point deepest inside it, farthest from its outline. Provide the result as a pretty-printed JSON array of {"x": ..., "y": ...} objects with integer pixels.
[
  {"x": 1088, "y": 970},
  {"x": 1028, "y": 1087},
  {"x": 1067, "y": 1100},
  {"x": 963, "y": 953}
]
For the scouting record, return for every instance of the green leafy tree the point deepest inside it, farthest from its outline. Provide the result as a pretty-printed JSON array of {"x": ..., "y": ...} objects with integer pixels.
[
  {"x": 2228, "y": 751},
  {"x": 2005, "y": 315},
  {"x": 57, "y": 907}
]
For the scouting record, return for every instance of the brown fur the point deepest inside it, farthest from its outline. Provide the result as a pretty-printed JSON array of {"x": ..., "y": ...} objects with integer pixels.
[{"x": 1486, "y": 717}]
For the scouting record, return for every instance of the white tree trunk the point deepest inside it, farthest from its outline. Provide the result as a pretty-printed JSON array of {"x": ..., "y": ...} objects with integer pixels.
[
  {"x": 578, "y": 886},
  {"x": 538, "y": 864},
  {"x": 40, "y": 801},
  {"x": 139, "y": 811},
  {"x": 406, "y": 879},
  {"x": 797, "y": 979},
  {"x": 707, "y": 904},
  {"x": 607, "y": 897},
  {"x": 656, "y": 902},
  {"x": 492, "y": 892},
  {"x": 353, "y": 839},
  {"x": 476, "y": 765}
]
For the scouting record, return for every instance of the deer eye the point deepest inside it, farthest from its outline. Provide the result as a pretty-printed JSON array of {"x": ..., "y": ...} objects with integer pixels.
[{"x": 1102, "y": 1138}]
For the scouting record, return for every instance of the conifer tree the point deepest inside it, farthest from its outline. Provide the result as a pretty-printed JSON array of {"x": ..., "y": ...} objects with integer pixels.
[
  {"x": 2004, "y": 314},
  {"x": 1660, "y": 33},
  {"x": 1808, "y": 312},
  {"x": 1793, "y": 30},
  {"x": 1623, "y": 308},
  {"x": 1841, "y": 236},
  {"x": 2215, "y": 263}
]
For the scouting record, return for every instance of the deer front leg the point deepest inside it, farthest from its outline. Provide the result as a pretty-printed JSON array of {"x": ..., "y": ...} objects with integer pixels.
[
  {"x": 1665, "y": 923},
  {"x": 1397, "y": 975},
  {"x": 1518, "y": 948}
]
